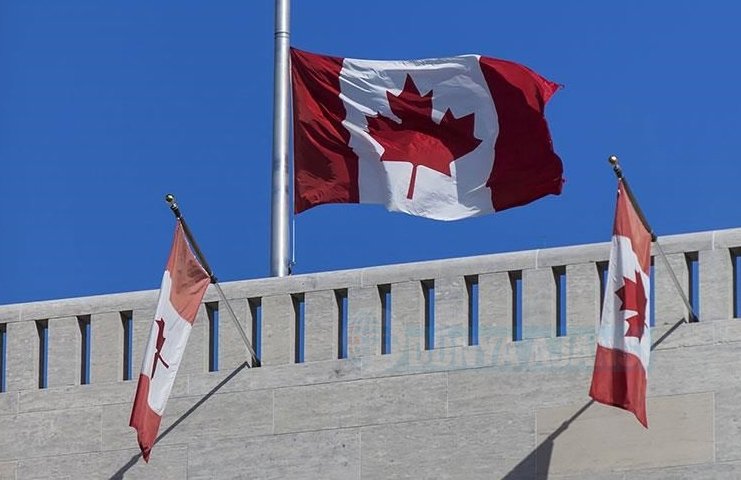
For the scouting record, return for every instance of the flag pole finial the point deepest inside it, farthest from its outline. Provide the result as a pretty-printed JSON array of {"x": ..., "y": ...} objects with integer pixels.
[
  {"x": 613, "y": 160},
  {"x": 170, "y": 199}
]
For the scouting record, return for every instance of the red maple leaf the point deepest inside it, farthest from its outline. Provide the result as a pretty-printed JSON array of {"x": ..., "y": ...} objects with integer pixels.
[
  {"x": 633, "y": 296},
  {"x": 417, "y": 139}
]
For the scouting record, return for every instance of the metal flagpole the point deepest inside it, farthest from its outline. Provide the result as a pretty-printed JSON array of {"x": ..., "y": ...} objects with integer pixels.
[
  {"x": 170, "y": 199},
  {"x": 619, "y": 173},
  {"x": 280, "y": 217}
]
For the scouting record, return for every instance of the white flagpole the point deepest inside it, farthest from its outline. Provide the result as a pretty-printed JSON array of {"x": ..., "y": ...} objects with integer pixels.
[{"x": 280, "y": 214}]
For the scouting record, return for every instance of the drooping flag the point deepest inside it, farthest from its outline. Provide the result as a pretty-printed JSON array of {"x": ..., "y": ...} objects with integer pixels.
[
  {"x": 443, "y": 138},
  {"x": 624, "y": 337},
  {"x": 183, "y": 286}
]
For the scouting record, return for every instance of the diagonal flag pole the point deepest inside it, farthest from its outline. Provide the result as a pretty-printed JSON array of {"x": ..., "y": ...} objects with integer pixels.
[
  {"x": 170, "y": 199},
  {"x": 613, "y": 160}
]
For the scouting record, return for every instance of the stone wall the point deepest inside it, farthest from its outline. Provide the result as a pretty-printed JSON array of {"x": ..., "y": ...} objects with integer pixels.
[{"x": 514, "y": 405}]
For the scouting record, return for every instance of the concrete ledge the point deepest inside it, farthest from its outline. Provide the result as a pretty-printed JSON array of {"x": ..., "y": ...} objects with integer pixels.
[
  {"x": 10, "y": 313},
  {"x": 250, "y": 414},
  {"x": 276, "y": 376},
  {"x": 116, "y": 302},
  {"x": 84, "y": 396}
]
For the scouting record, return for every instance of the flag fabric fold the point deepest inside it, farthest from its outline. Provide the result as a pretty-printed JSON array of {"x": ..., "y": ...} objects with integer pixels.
[
  {"x": 443, "y": 138},
  {"x": 624, "y": 336},
  {"x": 183, "y": 285}
]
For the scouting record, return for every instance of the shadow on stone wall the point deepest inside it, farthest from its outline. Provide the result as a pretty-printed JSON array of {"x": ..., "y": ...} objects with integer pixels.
[
  {"x": 540, "y": 458},
  {"x": 538, "y": 461},
  {"x": 133, "y": 461}
]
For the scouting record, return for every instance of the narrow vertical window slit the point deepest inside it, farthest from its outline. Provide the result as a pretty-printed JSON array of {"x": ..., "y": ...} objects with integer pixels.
[
  {"x": 42, "y": 328},
  {"x": 341, "y": 297},
  {"x": 212, "y": 310},
  {"x": 3, "y": 356},
  {"x": 693, "y": 281},
  {"x": 559, "y": 274},
  {"x": 256, "y": 313},
  {"x": 736, "y": 264},
  {"x": 299, "y": 309},
  {"x": 384, "y": 291},
  {"x": 428, "y": 290},
  {"x": 602, "y": 268},
  {"x": 472, "y": 287},
  {"x": 127, "y": 321},
  {"x": 515, "y": 279},
  {"x": 84, "y": 323}
]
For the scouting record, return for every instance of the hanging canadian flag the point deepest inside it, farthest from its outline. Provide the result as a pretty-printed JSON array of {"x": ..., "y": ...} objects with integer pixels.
[
  {"x": 183, "y": 286},
  {"x": 624, "y": 337},
  {"x": 442, "y": 138}
]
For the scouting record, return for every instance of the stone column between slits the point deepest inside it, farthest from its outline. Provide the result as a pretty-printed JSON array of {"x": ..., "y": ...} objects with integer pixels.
[
  {"x": 278, "y": 330},
  {"x": 364, "y": 321},
  {"x": 22, "y": 371},
  {"x": 538, "y": 303},
  {"x": 669, "y": 306},
  {"x": 64, "y": 355},
  {"x": 232, "y": 350},
  {"x": 496, "y": 309},
  {"x": 106, "y": 347},
  {"x": 407, "y": 317},
  {"x": 716, "y": 284},
  {"x": 451, "y": 312},
  {"x": 582, "y": 298},
  {"x": 321, "y": 326}
]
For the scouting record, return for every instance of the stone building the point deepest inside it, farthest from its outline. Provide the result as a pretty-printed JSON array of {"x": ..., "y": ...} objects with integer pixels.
[{"x": 462, "y": 368}]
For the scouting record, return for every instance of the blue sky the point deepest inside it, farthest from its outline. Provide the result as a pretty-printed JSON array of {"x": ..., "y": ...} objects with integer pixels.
[{"x": 107, "y": 106}]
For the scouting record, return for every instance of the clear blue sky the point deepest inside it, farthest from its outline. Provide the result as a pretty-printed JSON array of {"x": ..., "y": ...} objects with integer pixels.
[{"x": 107, "y": 106}]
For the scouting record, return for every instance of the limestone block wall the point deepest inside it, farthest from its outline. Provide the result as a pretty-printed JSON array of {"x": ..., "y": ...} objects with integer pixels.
[{"x": 462, "y": 368}]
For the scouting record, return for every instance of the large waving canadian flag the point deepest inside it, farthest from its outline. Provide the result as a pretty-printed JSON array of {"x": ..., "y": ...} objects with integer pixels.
[
  {"x": 443, "y": 138},
  {"x": 183, "y": 286},
  {"x": 624, "y": 337}
]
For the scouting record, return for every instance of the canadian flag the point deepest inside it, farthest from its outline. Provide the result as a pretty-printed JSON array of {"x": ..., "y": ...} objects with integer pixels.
[
  {"x": 624, "y": 337},
  {"x": 183, "y": 286},
  {"x": 443, "y": 138}
]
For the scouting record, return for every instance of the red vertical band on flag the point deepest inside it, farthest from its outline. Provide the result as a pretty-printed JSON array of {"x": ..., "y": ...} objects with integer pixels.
[
  {"x": 629, "y": 224},
  {"x": 188, "y": 277},
  {"x": 619, "y": 380},
  {"x": 144, "y": 419},
  {"x": 325, "y": 167},
  {"x": 525, "y": 165}
]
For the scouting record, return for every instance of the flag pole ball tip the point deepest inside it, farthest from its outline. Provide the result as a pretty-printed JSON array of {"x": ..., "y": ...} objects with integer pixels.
[
  {"x": 169, "y": 198},
  {"x": 613, "y": 159}
]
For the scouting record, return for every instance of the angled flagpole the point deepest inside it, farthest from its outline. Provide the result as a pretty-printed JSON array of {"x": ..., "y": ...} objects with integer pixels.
[
  {"x": 280, "y": 236},
  {"x": 613, "y": 159},
  {"x": 170, "y": 199}
]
